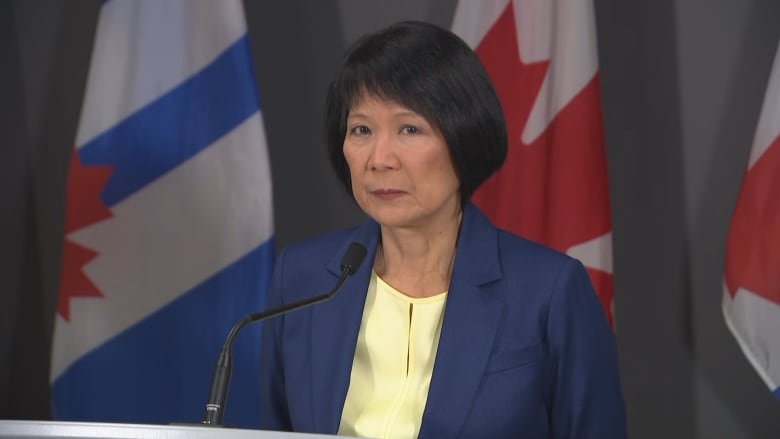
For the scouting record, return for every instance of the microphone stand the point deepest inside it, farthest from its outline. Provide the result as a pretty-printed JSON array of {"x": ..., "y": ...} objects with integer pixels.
[{"x": 220, "y": 380}]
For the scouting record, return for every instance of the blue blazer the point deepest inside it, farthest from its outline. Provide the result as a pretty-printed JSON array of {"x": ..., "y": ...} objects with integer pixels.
[{"x": 525, "y": 350}]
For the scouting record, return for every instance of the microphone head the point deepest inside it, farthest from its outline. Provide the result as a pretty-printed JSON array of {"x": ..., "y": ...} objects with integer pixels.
[{"x": 353, "y": 257}]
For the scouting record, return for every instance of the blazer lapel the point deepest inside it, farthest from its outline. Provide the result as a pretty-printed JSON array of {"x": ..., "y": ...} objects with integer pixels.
[
  {"x": 470, "y": 324},
  {"x": 335, "y": 327}
]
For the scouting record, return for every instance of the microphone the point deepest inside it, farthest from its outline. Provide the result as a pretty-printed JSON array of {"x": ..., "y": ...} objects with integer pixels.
[{"x": 220, "y": 380}]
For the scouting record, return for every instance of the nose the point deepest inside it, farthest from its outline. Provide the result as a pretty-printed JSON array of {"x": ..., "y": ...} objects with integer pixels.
[{"x": 383, "y": 154}]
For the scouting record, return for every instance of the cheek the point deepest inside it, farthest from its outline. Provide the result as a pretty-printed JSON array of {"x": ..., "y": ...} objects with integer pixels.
[
  {"x": 442, "y": 169},
  {"x": 352, "y": 157},
  {"x": 447, "y": 181},
  {"x": 352, "y": 166},
  {"x": 355, "y": 172}
]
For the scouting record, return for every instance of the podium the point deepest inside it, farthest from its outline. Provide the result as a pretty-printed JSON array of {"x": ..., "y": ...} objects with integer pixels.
[{"x": 93, "y": 430}]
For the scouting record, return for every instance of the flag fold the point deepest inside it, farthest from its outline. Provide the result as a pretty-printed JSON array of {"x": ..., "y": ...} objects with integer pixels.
[{"x": 751, "y": 284}]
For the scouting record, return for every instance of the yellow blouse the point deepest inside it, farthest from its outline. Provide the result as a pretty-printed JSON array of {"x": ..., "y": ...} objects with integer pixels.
[{"x": 393, "y": 363}]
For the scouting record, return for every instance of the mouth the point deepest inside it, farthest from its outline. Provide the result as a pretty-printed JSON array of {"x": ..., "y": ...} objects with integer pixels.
[{"x": 387, "y": 194}]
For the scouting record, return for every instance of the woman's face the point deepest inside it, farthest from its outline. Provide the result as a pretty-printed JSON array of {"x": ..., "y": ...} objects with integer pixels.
[{"x": 402, "y": 174}]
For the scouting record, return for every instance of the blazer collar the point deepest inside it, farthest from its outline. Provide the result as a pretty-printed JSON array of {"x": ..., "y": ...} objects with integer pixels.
[
  {"x": 476, "y": 259},
  {"x": 335, "y": 327},
  {"x": 470, "y": 322}
]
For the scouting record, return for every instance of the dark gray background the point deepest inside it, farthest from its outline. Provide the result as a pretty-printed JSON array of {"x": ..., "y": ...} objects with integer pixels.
[{"x": 682, "y": 85}]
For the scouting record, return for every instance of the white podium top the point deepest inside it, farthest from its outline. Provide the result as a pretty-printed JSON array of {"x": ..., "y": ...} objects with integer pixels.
[{"x": 91, "y": 430}]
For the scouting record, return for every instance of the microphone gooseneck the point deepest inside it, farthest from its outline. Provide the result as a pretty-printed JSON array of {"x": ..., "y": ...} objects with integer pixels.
[{"x": 220, "y": 380}]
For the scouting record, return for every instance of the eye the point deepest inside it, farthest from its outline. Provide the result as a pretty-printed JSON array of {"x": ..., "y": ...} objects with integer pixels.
[
  {"x": 360, "y": 130},
  {"x": 410, "y": 129}
]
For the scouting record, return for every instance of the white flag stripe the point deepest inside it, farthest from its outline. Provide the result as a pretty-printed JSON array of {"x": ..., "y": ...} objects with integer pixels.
[
  {"x": 596, "y": 253},
  {"x": 755, "y": 323},
  {"x": 163, "y": 237},
  {"x": 769, "y": 122},
  {"x": 562, "y": 32},
  {"x": 572, "y": 55},
  {"x": 474, "y": 18},
  {"x": 136, "y": 61}
]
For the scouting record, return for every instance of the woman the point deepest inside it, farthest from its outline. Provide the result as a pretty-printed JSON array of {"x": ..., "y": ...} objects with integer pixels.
[{"x": 451, "y": 327}]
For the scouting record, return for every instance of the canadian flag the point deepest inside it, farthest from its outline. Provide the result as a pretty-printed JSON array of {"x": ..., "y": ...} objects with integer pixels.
[
  {"x": 541, "y": 56},
  {"x": 751, "y": 296}
]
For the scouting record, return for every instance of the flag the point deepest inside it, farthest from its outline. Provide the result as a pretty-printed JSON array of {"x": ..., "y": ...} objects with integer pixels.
[
  {"x": 751, "y": 293},
  {"x": 168, "y": 234},
  {"x": 541, "y": 57}
]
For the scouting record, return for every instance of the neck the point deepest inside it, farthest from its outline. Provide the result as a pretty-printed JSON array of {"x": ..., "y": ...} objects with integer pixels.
[{"x": 416, "y": 262}]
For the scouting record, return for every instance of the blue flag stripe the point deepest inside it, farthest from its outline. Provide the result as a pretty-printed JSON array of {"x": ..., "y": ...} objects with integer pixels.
[
  {"x": 176, "y": 126},
  {"x": 173, "y": 382}
]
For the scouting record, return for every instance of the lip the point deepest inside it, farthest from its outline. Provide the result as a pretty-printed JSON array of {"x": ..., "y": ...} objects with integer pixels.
[{"x": 387, "y": 194}]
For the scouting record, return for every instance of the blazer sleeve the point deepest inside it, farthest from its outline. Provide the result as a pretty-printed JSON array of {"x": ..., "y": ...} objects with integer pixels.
[
  {"x": 274, "y": 414},
  {"x": 585, "y": 388}
]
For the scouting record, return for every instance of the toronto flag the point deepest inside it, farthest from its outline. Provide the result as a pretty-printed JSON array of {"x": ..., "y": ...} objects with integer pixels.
[{"x": 168, "y": 234}]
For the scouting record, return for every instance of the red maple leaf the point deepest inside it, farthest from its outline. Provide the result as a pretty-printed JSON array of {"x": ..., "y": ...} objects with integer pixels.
[
  {"x": 753, "y": 246},
  {"x": 554, "y": 190},
  {"x": 83, "y": 207}
]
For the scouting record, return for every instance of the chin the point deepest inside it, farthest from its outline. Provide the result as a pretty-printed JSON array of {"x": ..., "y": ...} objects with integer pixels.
[
  {"x": 395, "y": 221},
  {"x": 391, "y": 217}
]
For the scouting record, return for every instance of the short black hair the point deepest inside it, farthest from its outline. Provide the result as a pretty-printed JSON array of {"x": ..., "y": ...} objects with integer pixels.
[{"x": 434, "y": 73}]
